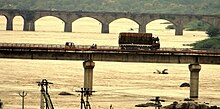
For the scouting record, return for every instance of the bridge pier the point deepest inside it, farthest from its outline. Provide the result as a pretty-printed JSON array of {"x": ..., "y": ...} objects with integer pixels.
[
  {"x": 194, "y": 80},
  {"x": 105, "y": 28},
  {"x": 88, "y": 75},
  {"x": 29, "y": 26},
  {"x": 9, "y": 25},
  {"x": 68, "y": 27},
  {"x": 142, "y": 29},
  {"x": 179, "y": 30}
]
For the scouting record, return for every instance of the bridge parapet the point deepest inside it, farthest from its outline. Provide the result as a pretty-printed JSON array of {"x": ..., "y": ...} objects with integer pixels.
[
  {"x": 89, "y": 48},
  {"x": 106, "y": 53}
]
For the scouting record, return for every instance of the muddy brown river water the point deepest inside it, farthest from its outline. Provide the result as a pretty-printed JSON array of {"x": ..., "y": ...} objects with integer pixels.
[{"x": 122, "y": 85}]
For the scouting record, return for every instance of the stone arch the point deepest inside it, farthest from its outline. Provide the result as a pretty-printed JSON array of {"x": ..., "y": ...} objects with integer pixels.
[
  {"x": 207, "y": 20},
  {"x": 123, "y": 25},
  {"x": 9, "y": 21},
  {"x": 18, "y": 23},
  {"x": 37, "y": 17},
  {"x": 3, "y": 22},
  {"x": 49, "y": 23},
  {"x": 196, "y": 27},
  {"x": 159, "y": 25},
  {"x": 196, "y": 22},
  {"x": 87, "y": 24}
]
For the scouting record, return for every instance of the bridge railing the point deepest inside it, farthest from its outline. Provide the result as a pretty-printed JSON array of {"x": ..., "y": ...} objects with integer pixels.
[
  {"x": 84, "y": 48},
  {"x": 31, "y": 47}
]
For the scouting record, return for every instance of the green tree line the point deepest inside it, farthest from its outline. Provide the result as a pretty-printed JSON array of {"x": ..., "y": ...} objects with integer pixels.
[{"x": 212, "y": 43}]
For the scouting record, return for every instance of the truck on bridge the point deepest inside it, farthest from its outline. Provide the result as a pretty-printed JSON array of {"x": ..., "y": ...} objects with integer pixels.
[{"x": 138, "y": 41}]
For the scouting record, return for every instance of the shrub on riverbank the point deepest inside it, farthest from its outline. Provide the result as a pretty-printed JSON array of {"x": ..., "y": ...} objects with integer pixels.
[
  {"x": 197, "y": 26},
  {"x": 213, "y": 32},
  {"x": 193, "y": 26},
  {"x": 212, "y": 43}
]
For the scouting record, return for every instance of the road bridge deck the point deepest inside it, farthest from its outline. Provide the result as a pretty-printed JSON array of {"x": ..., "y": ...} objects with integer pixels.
[{"x": 107, "y": 53}]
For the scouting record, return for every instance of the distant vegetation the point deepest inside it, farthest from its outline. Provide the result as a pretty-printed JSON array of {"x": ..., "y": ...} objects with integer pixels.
[
  {"x": 170, "y": 27},
  {"x": 136, "y": 6},
  {"x": 213, "y": 32},
  {"x": 197, "y": 26},
  {"x": 210, "y": 44},
  {"x": 193, "y": 26}
]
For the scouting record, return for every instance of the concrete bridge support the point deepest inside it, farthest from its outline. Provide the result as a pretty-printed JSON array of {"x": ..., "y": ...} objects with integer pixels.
[
  {"x": 105, "y": 28},
  {"x": 88, "y": 75},
  {"x": 9, "y": 25},
  {"x": 68, "y": 27},
  {"x": 194, "y": 80},
  {"x": 142, "y": 29},
  {"x": 29, "y": 26},
  {"x": 179, "y": 30}
]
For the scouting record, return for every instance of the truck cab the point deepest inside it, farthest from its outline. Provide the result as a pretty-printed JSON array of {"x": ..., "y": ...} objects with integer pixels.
[{"x": 69, "y": 44}]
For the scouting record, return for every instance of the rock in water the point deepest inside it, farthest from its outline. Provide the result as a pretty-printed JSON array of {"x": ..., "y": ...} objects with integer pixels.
[
  {"x": 185, "y": 85},
  {"x": 65, "y": 93}
]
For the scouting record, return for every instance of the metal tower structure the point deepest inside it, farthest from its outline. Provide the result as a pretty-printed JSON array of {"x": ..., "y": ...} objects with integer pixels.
[
  {"x": 46, "y": 102},
  {"x": 85, "y": 92}
]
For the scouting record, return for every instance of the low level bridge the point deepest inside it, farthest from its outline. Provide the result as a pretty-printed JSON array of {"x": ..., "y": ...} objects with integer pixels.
[{"x": 88, "y": 54}]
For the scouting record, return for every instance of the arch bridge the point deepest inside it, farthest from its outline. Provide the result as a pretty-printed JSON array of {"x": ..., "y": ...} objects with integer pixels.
[{"x": 105, "y": 18}]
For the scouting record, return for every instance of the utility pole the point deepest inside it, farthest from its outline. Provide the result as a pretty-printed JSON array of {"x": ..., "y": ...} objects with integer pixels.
[
  {"x": 83, "y": 103},
  {"x": 45, "y": 97},
  {"x": 23, "y": 94}
]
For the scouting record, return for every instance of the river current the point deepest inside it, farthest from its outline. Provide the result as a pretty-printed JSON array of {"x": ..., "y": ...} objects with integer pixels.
[{"x": 122, "y": 85}]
